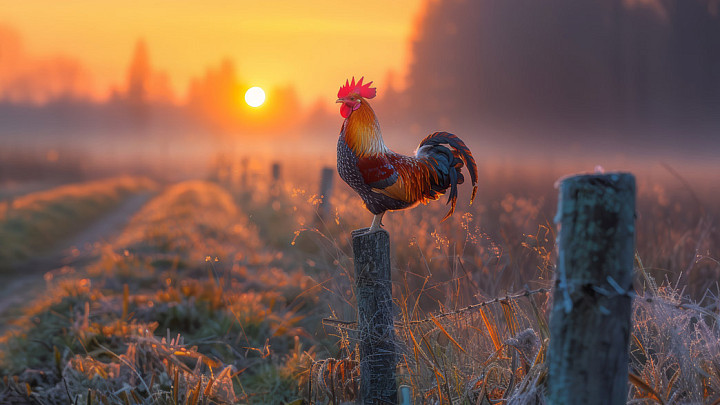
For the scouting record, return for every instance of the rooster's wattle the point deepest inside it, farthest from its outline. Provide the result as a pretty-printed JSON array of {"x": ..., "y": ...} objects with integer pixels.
[{"x": 388, "y": 181}]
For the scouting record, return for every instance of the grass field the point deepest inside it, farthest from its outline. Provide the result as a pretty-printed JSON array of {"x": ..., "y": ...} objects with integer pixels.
[
  {"x": 215, "y": 292},
  {"x": 33, "y": 223}
]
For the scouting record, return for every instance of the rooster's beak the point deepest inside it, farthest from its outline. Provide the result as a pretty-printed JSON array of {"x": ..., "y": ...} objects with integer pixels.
[{"x": 339, "y": 101}]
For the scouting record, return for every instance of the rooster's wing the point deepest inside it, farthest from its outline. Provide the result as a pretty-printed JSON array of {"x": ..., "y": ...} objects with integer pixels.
[{"x": 402, "y": 178}]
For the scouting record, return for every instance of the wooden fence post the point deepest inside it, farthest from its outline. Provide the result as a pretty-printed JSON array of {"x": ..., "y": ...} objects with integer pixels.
[
  {"x": 590, "y": 319},
  {"x": 373, "y": 289},
  {"x": 276, "y": 172},
  {"x": 326, "y": 183},
  {"x": 275, "y": 186}
]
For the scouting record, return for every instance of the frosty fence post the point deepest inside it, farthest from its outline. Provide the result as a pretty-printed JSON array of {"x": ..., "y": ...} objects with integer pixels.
[
  {"x": 373, "y": 289},
  {"x": 590, "y": 319}
]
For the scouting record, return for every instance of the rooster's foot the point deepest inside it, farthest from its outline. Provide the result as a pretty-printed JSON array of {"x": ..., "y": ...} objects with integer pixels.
[{"x": 376, "y": 223}]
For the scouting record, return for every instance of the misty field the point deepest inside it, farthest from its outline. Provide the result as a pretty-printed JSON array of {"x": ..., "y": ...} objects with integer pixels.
[{"x": 239, "y": 289}]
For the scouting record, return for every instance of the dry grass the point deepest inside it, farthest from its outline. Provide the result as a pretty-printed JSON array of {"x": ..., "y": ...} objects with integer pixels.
[
  {"x": 495, "y": 353},
  {"x": 218, "y": 297},
  {"x": 675, "y": 350},
  {"x": 185, "y": 307}
]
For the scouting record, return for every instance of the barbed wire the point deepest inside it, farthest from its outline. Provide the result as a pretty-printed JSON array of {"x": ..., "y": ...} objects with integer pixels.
[{"x": 352, "y": 325}]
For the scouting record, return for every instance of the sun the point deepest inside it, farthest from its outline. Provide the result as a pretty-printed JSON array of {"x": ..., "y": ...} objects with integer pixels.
[{"x": 255, "y": 97}]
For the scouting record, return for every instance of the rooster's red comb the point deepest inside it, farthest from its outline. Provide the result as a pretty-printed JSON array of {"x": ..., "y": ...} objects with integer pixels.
[{"x": 364, "y": 90}]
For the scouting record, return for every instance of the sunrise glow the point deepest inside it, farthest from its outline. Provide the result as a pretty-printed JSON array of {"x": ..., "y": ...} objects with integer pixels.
[
  {"x": 276, "y": 41},
  {"x": 255, "y": 97}
]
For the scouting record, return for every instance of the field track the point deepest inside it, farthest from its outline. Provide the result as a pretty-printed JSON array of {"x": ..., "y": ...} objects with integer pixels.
[{"x": 26, "y": 279}]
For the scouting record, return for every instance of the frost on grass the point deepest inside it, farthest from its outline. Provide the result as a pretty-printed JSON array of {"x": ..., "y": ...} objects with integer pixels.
[
  {"x": 150, "y": 368},
  {"x": 152, "y": 320},
  {"x": 503, "y": 244},
  {"x": 675, "y": 350}
]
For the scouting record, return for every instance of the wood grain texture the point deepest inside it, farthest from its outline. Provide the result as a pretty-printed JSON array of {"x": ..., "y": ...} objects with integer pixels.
[
  {"x": 590, "y": 319},
  {"x": 373, "y": 288}
]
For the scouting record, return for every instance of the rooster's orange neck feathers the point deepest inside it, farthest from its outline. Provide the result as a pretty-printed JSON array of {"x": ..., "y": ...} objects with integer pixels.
[{"x": 362, "y": 132}]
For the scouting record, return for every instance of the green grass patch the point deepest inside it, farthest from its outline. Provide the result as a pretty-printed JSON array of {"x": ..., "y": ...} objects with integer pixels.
[{"x": 36, "y": 222}]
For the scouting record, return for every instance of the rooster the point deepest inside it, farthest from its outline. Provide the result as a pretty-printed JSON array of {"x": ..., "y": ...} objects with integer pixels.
[{"x": 388, "y": 181}]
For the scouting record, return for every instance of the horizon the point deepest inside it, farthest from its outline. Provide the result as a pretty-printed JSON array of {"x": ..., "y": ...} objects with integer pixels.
[
  {"x": 272, "y": 45},
  {"x": 169, "y": 82}
]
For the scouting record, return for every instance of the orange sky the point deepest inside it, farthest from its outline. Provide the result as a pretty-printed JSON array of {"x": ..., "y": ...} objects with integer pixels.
[{"x": 311, "y": 44}]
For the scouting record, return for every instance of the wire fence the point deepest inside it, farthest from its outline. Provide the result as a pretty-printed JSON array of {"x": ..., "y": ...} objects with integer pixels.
[
  {"x": 484, "y": 350},
  {"x": 449, "y": 353},
  {"x": 352, "y": 325}
]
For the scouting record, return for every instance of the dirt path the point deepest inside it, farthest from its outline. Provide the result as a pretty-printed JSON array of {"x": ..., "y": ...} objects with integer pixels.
[{"x": 26, "y": 279}]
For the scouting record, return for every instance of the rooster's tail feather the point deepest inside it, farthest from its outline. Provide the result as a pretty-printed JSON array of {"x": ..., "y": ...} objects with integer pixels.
[{"x": 448, "y": 163}]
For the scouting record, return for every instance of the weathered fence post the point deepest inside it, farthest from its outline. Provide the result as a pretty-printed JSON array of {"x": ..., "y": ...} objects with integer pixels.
[
  {"x": 373, "y": 289},
  {"x": 275, "y": 186},
  {"x": 326, "y": 183},
  {"x": 590, "y": 319},
  {"x": 276, "y": 172}
]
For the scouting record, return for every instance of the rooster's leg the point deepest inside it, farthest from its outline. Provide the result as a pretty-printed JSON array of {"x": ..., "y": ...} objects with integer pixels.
[{"x": 376, "y": 223}]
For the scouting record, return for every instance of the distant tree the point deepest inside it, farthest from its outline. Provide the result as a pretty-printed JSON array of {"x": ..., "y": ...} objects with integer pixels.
[
  {"x": 214, "y": 97},
  {"x": 28, "y": 79},
  {"x": 696, "y": 57},
  {"x": 138, "y": 79},
  {"x": 586, "y": 63},
  {"x": 138, "y": 73},
  {"x": 217, "y": 100}
]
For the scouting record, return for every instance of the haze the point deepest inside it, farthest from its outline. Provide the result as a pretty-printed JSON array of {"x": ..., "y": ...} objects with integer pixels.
[{"x": 521, "y": 80}]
